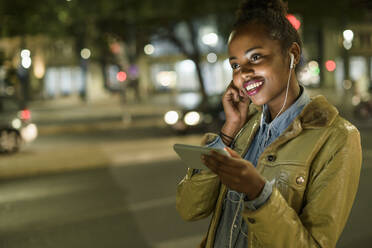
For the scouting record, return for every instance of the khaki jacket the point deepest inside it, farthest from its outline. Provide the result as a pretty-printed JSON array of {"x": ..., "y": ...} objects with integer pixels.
[{"x": 316, "y": 165}]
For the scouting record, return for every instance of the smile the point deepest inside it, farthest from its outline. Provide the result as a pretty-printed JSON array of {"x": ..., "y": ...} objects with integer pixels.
[{"x": 252, "y": 88}]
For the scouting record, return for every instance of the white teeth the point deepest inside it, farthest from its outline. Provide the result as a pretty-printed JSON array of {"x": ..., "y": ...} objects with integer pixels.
[{"x": 253, "y": 86}]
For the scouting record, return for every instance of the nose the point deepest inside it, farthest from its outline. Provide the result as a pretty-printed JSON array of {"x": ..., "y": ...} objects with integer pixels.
[{"x": 246, "y": 71}]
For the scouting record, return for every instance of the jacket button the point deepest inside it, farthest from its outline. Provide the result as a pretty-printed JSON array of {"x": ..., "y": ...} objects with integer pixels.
[
  {"x": 300, "y": 180},
  {"x": 251, "y": 220},
  {"x": 271, "y": 158}
]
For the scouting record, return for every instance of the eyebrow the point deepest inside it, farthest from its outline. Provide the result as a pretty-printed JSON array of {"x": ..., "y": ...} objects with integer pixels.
[{"x": 246, "y": 52}]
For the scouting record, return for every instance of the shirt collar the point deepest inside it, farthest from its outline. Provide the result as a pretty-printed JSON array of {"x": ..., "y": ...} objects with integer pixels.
[{"x": 280, "y": 123}]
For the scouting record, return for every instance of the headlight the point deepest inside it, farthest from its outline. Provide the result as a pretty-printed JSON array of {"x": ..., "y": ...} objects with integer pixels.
[
  {"x": 171, "y": 117},
  {"x": 29, "y": 133},
  {"x": 192, "y": 118},
  {"x": 16, "y": 123}
]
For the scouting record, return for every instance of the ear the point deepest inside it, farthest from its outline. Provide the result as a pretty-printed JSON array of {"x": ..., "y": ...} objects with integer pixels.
[{"x": 296, "y": 51}]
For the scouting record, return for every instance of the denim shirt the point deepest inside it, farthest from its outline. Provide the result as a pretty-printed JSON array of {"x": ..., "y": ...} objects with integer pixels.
[{"x": 233, "y": 203}]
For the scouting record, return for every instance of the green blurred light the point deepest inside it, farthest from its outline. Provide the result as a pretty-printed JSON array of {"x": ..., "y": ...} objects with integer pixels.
[{"x": 315, "y": 71}]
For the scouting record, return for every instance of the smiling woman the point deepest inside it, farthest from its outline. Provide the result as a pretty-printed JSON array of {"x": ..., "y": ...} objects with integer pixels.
[{"x": 294, "y": 163}]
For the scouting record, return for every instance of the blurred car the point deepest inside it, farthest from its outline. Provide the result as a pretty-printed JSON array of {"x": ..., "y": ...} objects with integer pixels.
[
  {"x": 190, "y": 114},
  {"x": 16, "y": 127}
]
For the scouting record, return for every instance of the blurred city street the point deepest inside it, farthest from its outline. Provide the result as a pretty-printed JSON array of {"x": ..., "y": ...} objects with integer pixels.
[
  {"x": 105, "y": 183},
  {"x": 94, "y": 179},
  {"x": 94, "y": 94}
]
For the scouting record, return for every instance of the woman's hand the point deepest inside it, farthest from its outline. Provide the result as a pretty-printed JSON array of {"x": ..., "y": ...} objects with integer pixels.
[
  {"x": 236, "y": 110},
  {"x": 236, "y": 173}
]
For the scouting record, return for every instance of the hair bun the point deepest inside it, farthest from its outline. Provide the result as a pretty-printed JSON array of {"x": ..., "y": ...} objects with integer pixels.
[{"x": 264, "y": 5}]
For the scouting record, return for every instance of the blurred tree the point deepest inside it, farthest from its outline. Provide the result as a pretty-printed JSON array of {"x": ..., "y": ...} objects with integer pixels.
[
  {"x": 100, "y": 23},
  {"x": 160, "y": 19}
]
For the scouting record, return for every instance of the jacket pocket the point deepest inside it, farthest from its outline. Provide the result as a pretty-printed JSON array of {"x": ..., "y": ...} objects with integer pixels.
[{"x": 291, "y": 182}]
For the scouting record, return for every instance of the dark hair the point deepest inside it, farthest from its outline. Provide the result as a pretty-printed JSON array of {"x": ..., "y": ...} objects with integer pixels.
[{"x": 272, "y": 14}]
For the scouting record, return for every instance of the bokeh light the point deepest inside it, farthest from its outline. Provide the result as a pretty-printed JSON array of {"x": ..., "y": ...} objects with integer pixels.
[
  {"x": 26, "y": 62},
  {"x": 212, "y": 57},
  {"x": 210, "y": 39},
  {"x": 149, "y": 49},
  {"x": 348, "y": 35},
  {"x": 121, "y": 76},
  {"x": 25, "y": 53},
  {"x": 347, "y": 44},
  {"x": 85, "y": 53},
  {"x": 294, "y": 21},
  {"x": 330, "y": 65},
  {"x": 39, "y": 68}
]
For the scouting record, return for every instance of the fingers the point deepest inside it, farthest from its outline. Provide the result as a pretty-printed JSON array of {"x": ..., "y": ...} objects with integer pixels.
[
  {"x": 227, "y": 160},
  {"x": 211, "y": 163},
  {"x": 232, "y": 93},
  {"x": 232, "y": 153},
  {"x": 223, "y": 164},
  {"x": 229, "y": 176}
]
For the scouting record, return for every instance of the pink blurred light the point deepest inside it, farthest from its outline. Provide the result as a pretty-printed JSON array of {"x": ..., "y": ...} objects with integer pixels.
[
  {"x": 294, "y": 21},
  {"x": 121, "y": 76},
  {"x": 330, "y": 65},
  {"x": 26, "y": 114}
]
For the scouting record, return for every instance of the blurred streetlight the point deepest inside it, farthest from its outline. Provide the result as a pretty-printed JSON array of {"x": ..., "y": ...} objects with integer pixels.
[
  {"x": 26, "y": 62},
  {"x": 26, "y": 59},
  {"x": 210, "y": 39},
  {"x": 348, "y": 39},
  {"x": 149, "y": 49},
  {"x": 347, "y": 45},
  {"x": 25, "y": 53},
  {"x": 348, "y": 35},
  {"x": 212, "y": 58},
  {"x": 85, "y": 53}
]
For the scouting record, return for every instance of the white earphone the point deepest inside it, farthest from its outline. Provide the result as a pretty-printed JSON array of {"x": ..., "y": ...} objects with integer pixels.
[{"x": 292, "y": 61}]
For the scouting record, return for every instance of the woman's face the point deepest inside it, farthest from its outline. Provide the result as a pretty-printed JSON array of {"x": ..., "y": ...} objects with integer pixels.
[{"x": 258, "y": 65}]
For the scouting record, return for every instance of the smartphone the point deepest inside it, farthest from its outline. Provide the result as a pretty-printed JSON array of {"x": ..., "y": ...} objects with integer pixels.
[{"x": 190, "y": 155}]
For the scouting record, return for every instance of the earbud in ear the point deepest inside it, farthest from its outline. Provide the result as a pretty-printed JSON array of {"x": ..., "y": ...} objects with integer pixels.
[{"x": 292, "y": 61}]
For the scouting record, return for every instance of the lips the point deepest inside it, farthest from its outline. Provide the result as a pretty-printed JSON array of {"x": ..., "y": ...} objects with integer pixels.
[{"x": 253, "y": 86}]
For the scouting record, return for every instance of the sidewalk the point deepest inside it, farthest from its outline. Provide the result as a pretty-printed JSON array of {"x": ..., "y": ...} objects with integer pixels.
[
  {"x": 59, "y": 148},
  {"x": 71, "y": 115}
]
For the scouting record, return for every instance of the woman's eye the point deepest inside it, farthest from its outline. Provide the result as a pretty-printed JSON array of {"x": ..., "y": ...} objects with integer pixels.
[
  {"x": 255, "y": 57},
  {"x": 234, "y": 66}
]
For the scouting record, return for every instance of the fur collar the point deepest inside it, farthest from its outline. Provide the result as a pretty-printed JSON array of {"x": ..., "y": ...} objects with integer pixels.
[{"x": 318, "y": 113}]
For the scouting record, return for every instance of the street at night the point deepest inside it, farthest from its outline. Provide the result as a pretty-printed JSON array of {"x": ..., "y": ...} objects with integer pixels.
[
  {"x": 116, "y": 188},
  {"x": 94, "y": 94}
]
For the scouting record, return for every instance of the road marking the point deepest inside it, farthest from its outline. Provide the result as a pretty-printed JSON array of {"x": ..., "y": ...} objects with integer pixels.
[{"x": 32, "y": 193}]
